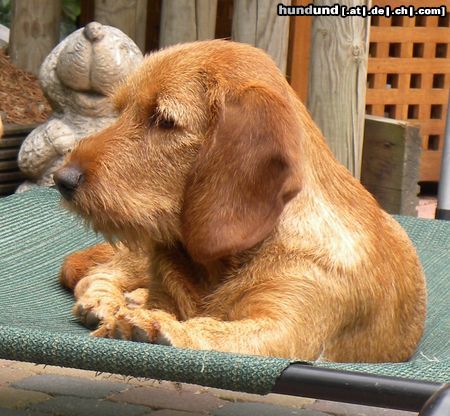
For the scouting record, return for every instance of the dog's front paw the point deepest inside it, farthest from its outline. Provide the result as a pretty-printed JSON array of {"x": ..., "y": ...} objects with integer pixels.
[
  {"x": 140, "y": 325},
  {"x": 93, "y": 312}
]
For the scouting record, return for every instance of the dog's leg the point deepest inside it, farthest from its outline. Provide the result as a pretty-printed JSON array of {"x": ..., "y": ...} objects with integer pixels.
[
  {"x": 77, "y": 265},
  {"x": 281, "y": 318},
  {"x": 259, "y": 336},
  {"x": 120, "y": 282}
]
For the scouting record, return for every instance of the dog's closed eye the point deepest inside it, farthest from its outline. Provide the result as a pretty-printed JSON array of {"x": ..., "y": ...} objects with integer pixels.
[
  {"x": 162, "y": 121},
  {"x": 165, "y": 123}
]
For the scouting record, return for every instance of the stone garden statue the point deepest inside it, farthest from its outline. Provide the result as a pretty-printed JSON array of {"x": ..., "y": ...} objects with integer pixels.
[{"x": 77, "y": 78}]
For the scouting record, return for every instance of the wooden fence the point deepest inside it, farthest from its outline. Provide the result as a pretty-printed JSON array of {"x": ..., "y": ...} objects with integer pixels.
[
  {"x": 408, "y": 67},
  {"x": 408, "y": 73},
  {"x": 409, "y": 76}
]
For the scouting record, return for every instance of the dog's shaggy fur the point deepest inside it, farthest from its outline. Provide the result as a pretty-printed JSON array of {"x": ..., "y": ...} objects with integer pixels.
[{"x": 238, "y": 230}]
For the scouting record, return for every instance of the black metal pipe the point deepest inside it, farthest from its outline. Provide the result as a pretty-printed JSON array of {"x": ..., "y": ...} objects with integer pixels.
[
  {"x": 438, "y": 404},
  {"x": 357, "y": 388},
  {"x": 443, "y": 214}
]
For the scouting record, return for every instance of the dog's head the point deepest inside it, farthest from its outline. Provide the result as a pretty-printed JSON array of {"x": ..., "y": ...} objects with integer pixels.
[{"x": 205, "y": 151}]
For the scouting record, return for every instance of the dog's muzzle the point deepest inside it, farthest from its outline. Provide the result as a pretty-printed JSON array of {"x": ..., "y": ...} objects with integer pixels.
[{"x": 67, "y": 180}]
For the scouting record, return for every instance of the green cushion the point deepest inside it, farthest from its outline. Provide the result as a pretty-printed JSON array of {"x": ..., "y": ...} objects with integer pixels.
[{"x": 36, "y": 324}]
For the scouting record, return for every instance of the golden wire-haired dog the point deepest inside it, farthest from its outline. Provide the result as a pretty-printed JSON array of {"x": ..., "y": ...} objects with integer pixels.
[{"x": 238, "y": 230}]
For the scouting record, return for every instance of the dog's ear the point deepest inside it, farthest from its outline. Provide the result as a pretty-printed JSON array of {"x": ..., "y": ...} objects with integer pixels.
[{"x": 244, "y": 175}]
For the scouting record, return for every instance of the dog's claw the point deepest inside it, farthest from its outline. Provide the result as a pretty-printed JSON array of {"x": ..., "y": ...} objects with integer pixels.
[
  {"x": 87, "y": 317},
  {"x": 121, "y": 323},
  {"x": 98, "y": 316},
  {"x": 91, "y": 320},
  {"x": 139, "y": 335},
  {"x": 117, "y": 334}
]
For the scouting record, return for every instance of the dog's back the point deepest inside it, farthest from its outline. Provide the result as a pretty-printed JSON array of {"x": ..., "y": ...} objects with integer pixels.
[{"x": 258, "y": 240}]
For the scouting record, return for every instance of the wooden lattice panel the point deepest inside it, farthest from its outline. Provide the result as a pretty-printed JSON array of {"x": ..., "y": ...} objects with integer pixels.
[{"x": 409, "y": 75}]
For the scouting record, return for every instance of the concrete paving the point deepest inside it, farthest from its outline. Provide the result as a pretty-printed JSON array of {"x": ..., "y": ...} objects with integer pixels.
[{"x": 35, "y": 390}]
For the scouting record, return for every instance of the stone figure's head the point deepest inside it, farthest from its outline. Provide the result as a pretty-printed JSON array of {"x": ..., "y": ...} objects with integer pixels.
[{"x": 86, "y": 67}]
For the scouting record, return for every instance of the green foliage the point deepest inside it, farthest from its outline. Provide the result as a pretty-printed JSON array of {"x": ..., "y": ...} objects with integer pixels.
[
  {"x": 5, "y": 12},
  {"x": 70, "y": 11}
]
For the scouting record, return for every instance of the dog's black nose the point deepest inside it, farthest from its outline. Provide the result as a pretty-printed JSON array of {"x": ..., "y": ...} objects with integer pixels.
[{"x": 67, "y": 180}]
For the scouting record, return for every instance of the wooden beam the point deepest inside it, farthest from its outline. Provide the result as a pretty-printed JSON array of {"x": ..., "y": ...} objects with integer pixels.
[
  {"x": 398, "y": 34},
  {"x": 397, "y": 96},
  {"x": 257, "y": 23},
  {"x": 430, "y": 165},
  {"x": 130, "y": 16},
  {"x": 299, "y": 52},
  {"x": 224, "y": 19},
  {"x": 390, "y": 164},
  {"x": 187, "y": 21},
  {"x": 34, "y": 32},
  {"x": 410, "y": 65},
  {"x": 337, "y": 81},
  {"x": 87, "y": 12}
]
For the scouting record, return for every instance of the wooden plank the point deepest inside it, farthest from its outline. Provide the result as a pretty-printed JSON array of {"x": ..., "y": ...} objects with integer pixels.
[
  {"x": 418, "y": 34},
  {"x": 299, "y": 52},
  {"x": 6, "y": 165},
  {"x": 390, "y": 165},
  {"x": 140, "y": 24},
  {"x": 34, "y": 32},
  {"x": 410, "y": 96},
  {"x": 404, "y": 80},
  {"x": 13, "y": 176},
  {"x": 224, "y": 19},
  {"x": 153, "y": 25},
  {"x": 87, "y": 12},
  {"x": 383, "y": 152},
  {"x": 206, "y": 19},
  {"x": 337, "y": 82},
  {"x": 412, "y": 65},
  {"x": 7, "y": 154},
  {"x": 10, "y": 175},
  {"x": 257, "y": 23},
  {"x": 430, "y": 166},
  {"x": 127, "y": 15},
  {"x": 11, "y": 138},
  {"x": 9, "y": 148},
  {"x": 8, "y": 188},
  {"x": 187, "y": 21},
  {"x": 15, "y": 129},
  {"x": 431, "y": 126},
  {"x": 380, "y": 78}
]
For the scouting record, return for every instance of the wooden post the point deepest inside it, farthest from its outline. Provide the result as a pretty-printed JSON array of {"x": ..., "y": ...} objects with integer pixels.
[
  {"x": 390, "y": 164},
  {"x": 187, "y": 21},
  {"x": 34, "y": 32},
  {"x": 256, "y": 22},
  {"x": 130, "y": 16},
  {"x": 299, "y": 51},
  {"x": 337, "y": 81}
]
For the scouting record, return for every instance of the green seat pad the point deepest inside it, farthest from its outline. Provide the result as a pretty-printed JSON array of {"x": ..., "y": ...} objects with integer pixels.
[{"x": 36, "y": 324}]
